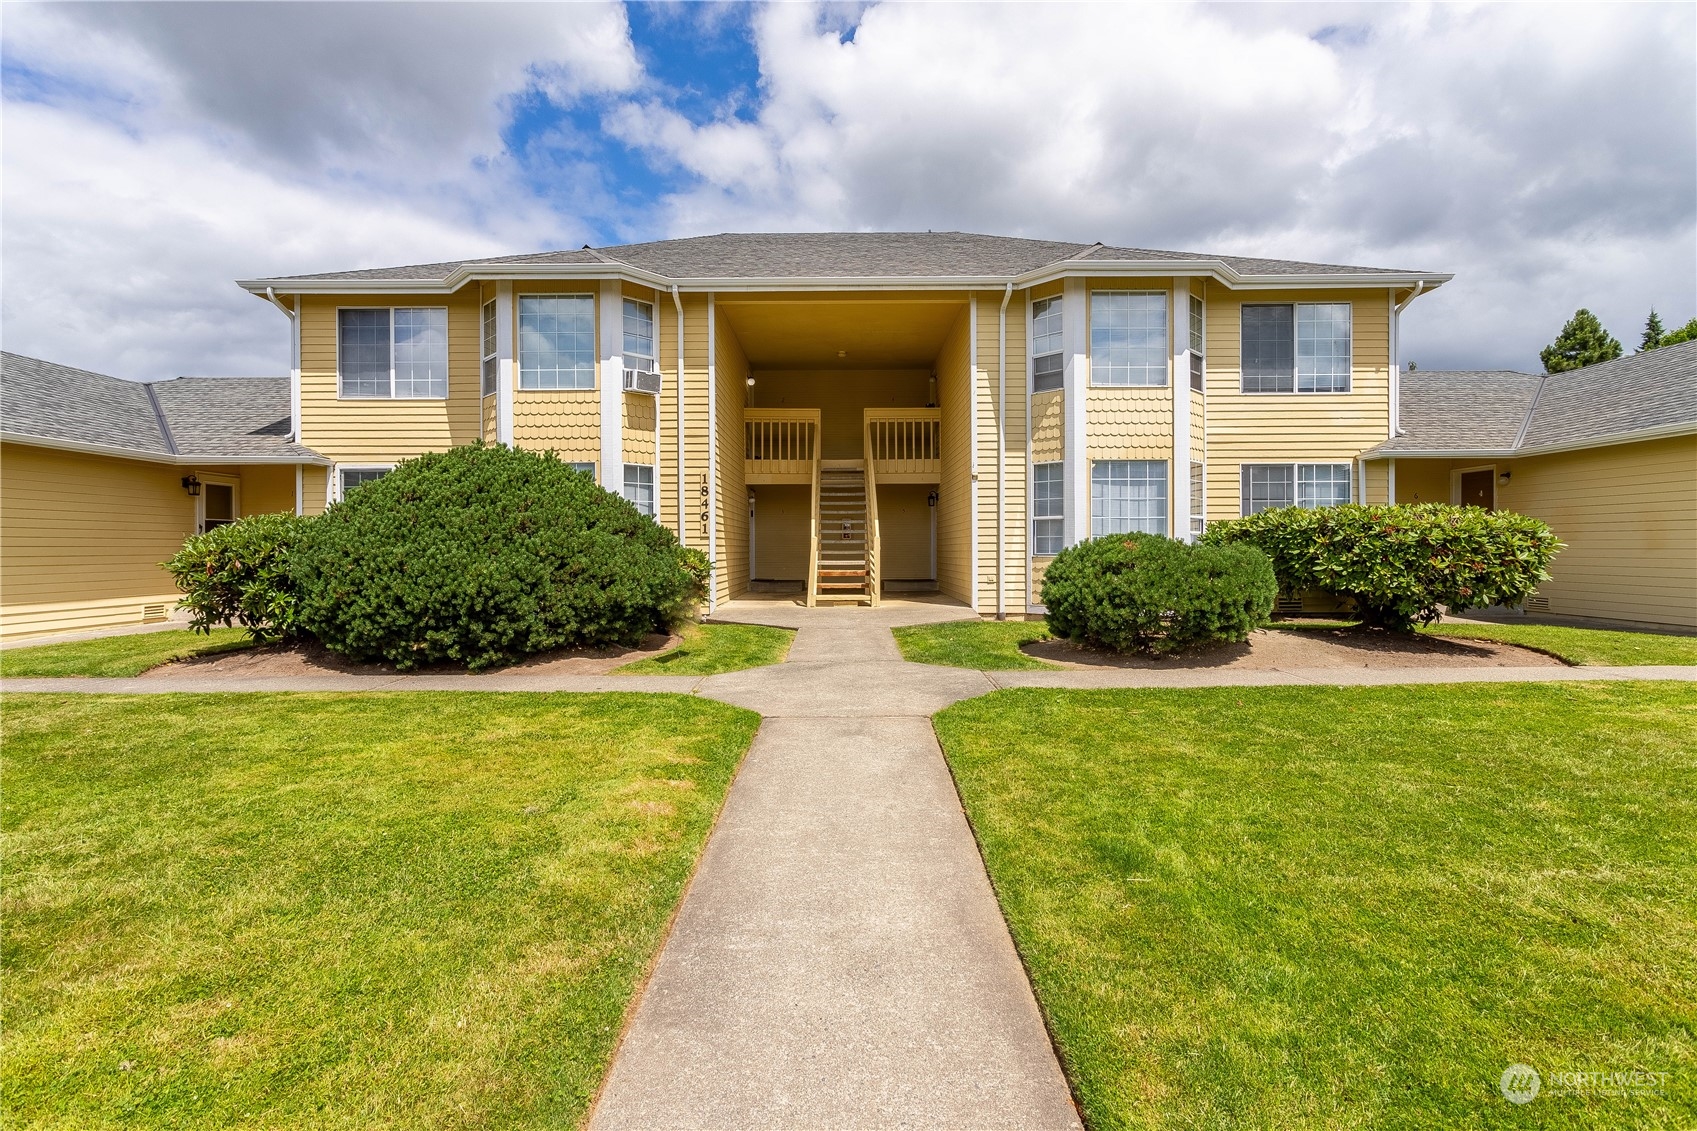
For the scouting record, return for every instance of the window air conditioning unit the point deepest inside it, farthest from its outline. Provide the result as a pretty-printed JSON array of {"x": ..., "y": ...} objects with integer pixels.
[{"x": 642, "y": 381}]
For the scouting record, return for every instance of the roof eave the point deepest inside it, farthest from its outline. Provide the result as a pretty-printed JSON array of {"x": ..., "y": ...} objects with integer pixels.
[
  {"x": 1216, "y": 269},
  {"x": 115, "y": 451},
  {"x": 1637, "y": 435}
]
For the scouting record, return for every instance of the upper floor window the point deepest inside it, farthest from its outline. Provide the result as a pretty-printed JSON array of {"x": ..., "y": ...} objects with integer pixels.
[
  {"x": 491, "y": 366},
  {"x": 1128, "y": 337},
  {"x": 639, "y": 335},
  {"x": 1196, "y": 340},
  {"x": 1048, "y": 366},
  {"x": 556, "y": 341},
  {"x": 393, "y": 352},
  {"x": 1301, "y": 347}
]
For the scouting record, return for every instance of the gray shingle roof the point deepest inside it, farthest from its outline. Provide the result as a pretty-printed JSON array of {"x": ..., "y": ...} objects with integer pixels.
[
  {"x": 237, "y": 419},
  {"x": 826, "y": 255},
  {"x": 1506, "y": 411}
]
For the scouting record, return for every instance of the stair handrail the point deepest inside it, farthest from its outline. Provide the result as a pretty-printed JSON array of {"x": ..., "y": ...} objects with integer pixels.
[
  {"x": 813, "y": 537},
  {"x": 874, "y": 539}
]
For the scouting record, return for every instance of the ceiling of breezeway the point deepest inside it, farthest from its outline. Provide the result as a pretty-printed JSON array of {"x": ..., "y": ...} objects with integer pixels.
[{"x": 841, "y": 334}]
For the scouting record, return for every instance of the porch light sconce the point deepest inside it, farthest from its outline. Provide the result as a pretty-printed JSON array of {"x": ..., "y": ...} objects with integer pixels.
[
  {"x": 931, "y": 499},
  {"x": 191, "y": 484},
  {"x": 751, "y": 380},
  {"x": 1502, "y": 480}
]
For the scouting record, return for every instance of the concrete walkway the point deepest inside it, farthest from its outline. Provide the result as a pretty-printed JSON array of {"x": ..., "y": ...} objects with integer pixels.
[{"x": 839, "y": 959}]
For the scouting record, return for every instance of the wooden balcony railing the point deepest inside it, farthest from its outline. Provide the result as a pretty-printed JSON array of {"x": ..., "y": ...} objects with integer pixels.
[
  {"x": 780, "y": 445},
  {"x": 905, "y": 445}
]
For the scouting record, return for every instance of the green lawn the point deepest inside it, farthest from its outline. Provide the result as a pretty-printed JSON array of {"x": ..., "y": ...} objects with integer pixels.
[
  {"x": 985, "y": 645},
  {"x": 1315, "y": 907},
  {"x": 1581, "y": 645},
  {"x": 709, "y": 649},
  {"x": 119, "y": 655},
  {"x": 329, "y": 911}
]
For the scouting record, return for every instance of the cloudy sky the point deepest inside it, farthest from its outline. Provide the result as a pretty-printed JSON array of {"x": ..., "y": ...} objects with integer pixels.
[{"x": 154, "y": 152}]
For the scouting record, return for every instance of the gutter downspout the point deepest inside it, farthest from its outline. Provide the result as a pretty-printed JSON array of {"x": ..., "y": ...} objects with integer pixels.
[
  {"x": 683, "y": 508},
  {"x": 1396, "y": 356},
  {"x": 294, "y": 393},
  {"x": 1002, "y": 457}
]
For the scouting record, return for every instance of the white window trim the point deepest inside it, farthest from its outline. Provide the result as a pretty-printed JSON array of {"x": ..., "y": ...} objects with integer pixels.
[
  {"x": 447, "y": 334},
  {"x": 1295, "y": 379},
  {"x": 1295, "y": 478},
  {"x": 588, "y": 465},
  {"x": 653, "y": 361},
  {"x": 1089, "y": 341},
  {"x": 491, "y": 348},
  {"x": 1166, "y": 499},
  {"x": 336, "y": 476},
  {"x": 1035, "y": 518},
  {"x": 518, "y": 340},
  {"x": 1031, "y": 336},
  {"x": 1201, "y": 355},
  {"x": 653, "y": 486}
]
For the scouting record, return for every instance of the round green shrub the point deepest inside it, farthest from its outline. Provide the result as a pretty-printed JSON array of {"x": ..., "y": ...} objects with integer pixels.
[
  {"x": 483, "y": 555},
  {"x": 1400, "y": 565},
  {"x": 238, "y": 573},
  {"x": 1144, "y": 593}
]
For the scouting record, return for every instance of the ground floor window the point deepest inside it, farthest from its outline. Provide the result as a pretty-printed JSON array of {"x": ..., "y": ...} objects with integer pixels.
[
  {"x": 1267, "y": 486},
  {"x": 1128, "y": 496},
  {"x": 350, "y": 477},
  {"x": 587, "y": 468},
  {"x": 1198, "y": 499},
  {"x": 639, "y": 487},
  {"x": 1046, "y": 509}
]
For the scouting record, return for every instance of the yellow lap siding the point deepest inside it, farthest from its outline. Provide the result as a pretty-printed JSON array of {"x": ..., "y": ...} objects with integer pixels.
[
  {"x": 990, "y": 414},
  {"x": 904, "y": 525},
  {"x": 783, "y": 514},
  {"x": 314, "y": 482},
  {"x": 730, "y": 578},
  {"x": 387, "y": 430},
  {"x": 954, "y": 510}
]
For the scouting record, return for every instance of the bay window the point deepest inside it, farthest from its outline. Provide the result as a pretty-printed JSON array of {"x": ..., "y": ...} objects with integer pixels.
[
  {"x": 556, "y": 341},
  {"x": 1047, "y": 509},
  {"x": 1048, "y": 364},
  {"x": 1128, "y": 496},
  {"x": 1128, "y": 338}
]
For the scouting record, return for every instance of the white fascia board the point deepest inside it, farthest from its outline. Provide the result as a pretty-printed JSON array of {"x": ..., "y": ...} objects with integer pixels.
[
  {"x": 1213, "y": 269},
  {"x": 194, "y": 459}
]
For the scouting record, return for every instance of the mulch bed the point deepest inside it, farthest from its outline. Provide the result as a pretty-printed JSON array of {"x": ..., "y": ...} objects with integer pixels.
[
  {"x": 307, "y": 659},
  {"x": 1311, "y": 648}
]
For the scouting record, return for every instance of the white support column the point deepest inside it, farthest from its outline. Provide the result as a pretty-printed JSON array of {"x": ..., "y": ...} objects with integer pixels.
[
  {"x": 611, "y": 338},
  {"x": 712, "y": 500},
  {"x": 1390, "y": 482},
  {"x": 1075, "y": 483},
  {"x": 300, "y": 489},
  {"x": 1179, "y": 475},
  {"x": 506, "y": 366},
  {"x": 295, "y": 373}
]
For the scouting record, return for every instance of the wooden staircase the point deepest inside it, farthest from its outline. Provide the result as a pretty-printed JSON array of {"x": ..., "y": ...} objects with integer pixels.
[{"x": 843, "y": 574}]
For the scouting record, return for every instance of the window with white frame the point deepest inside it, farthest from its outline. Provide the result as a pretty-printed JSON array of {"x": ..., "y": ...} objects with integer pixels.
[
  {"x": 1198, "y": 498},
  {"x": 1128, "y": 496},
  {"x": 1301, "y": 347},
  {"x": 392, "y": 352},
  {"x": 1267, "y": 486},
  {"x": 348, "y": 478},
  {"x": 491, "y": 365},
  {"x": 1047, "y": 509},
  {"x": 1196, "y": 340},
  {"x": 1048, "y": 365},
  {"x": 1128, "y": 338},
  {"x": 639, "y": 487},
  {"x": 556, "y": 341},
  {"x": 639, "y": 335},
  {"x": 587, "y": 468}
]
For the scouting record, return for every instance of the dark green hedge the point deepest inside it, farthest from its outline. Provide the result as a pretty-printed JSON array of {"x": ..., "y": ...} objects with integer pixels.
[
  {"x": 238, "y": 574},
  {"x": 483, "y": 555},
  {"x": 1144, "y": 593},
  {"x": 1399, "y": 564}
]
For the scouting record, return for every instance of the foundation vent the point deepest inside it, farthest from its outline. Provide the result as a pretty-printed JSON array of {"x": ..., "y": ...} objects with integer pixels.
[
  {"x": 151, "y": 614},
  {"x": 1289, "y": 604},
  {"x": 1537, "y": 604}
]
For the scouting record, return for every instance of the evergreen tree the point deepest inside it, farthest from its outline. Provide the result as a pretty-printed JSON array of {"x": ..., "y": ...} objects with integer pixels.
[
  {"x": 1582, "y": 342},
  {"x": 1686, "y": 333},
  {"x": 1652, "y": 332}
]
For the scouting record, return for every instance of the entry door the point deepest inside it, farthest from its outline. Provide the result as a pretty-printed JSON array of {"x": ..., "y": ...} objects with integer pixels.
[
  {"x": 218, "y": 505},
  {"x": 1479, "y": 489}
]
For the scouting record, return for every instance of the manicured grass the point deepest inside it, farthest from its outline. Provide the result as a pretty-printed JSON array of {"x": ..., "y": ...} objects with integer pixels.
[
  {"x": 709, "y": 649},
  {"x": 1316, "y": 907},
  {"x": 985, "y": 645},
  {"x": 1581, "y": 645},
  {"x": 119, "y": 656},
  {"x": 329, "y": 911}
]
